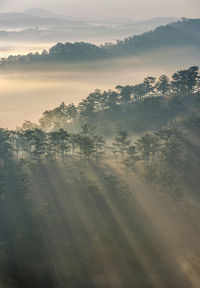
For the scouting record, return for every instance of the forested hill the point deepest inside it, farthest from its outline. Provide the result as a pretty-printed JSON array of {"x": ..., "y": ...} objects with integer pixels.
[
  {"x": 83, "y": 207},
  {"x": 146, "y": 106},
  {"x": 183, "y": 33}
]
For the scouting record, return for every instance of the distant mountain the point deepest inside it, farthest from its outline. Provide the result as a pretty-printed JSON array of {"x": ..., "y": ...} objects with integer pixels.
[
  {"x": 27, "y": 20},
  {"x": 42, "y": 13},
  {"x": 58, "y": 28},
  {"x": 146, "y": 25},
  {"x": 179, "y": 34}
]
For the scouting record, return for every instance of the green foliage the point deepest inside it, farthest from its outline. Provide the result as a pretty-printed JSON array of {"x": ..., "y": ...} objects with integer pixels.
[
  {"x": 60, "y": 117},
  {"x": 5, "y": 145},
  {"x": 149, "y": 146},
  {"x": 163, "y": 85},
  {"x": 121, "y": 143},
  {"x": 148, "y": 105},
  {"x": 63, "y": 212},
  {"x": 184, "y": 81}
]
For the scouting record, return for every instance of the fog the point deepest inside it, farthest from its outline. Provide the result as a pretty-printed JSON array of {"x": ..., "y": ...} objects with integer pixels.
[
  {"x": 106, "y": 195},
  {"x": 73, "y": 211},
  {"x": 8, "y": 48},
  {"x": 127, "y": 8},
  {"x": 35, "y": 33},
  {"x": 166, "y": 228},
  {"x": 26, "y": 94}
]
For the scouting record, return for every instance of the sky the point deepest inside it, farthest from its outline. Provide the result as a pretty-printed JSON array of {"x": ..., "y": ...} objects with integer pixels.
[{"x": 136, "y": 9}]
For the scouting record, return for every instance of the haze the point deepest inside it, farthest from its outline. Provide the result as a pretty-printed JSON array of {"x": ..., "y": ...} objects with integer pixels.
[
  {"x": 99, "y": 144},
  {"x": 25, "y": 95},
  {"x": 138, "y": 9}
]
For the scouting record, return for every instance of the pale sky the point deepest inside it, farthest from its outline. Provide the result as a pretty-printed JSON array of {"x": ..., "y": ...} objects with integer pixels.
[{"x": 137, "y": 9}]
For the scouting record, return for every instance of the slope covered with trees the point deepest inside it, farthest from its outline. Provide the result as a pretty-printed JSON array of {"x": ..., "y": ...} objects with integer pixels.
[
  {"x": 148, "y": 105},
  {"x": 92, "y": 195},
  {"x": 180, "y": 34}
]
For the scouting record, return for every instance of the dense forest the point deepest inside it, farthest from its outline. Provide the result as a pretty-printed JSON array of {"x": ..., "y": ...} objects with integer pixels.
[
  {"x": 180, "y": 34},
  {"x": 76, "y": 190}
]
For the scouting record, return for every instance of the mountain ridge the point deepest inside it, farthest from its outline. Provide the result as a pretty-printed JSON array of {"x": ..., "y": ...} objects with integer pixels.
[
  {"x": 37, "y": 11},
  {"x": 183, "y": 33}
]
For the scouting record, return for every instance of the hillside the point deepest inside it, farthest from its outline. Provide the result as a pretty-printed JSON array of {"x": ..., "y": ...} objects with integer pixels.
[
  {"x": 38, "y": 25},
  {"x": 105, "y": 193},
  {"x": 181, "y": 34},
  {"x": 149, "y": 105}
]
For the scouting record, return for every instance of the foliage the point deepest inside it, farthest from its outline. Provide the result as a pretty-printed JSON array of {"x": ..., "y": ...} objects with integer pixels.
[
  {"x": 64, "y": 202},
  {"x": 176, "y": 34}
]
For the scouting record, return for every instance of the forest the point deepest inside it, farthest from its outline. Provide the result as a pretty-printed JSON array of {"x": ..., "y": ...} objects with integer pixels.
[
  {"x": 180, "y": 34},
  {"x": 105, "y": 193}
]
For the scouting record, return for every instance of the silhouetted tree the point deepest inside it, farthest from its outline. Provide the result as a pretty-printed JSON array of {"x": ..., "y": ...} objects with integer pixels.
[
  {"x": 184, "y": 81},
  {"x": 149, "y": 86},
  {"x": 87, "y": 146},
  {"x": 39, "y": 143},
  {"x": 98, "y": 146},
  {"x": 5, "y": 145},
  {"x": 163, "y": 85},
  {"x": 125, "y": 93},
  {"x": 121, "y": 143},
  {"x": 148, "y": 145},
  {"x": 132, "y": 154},
  {"x": 29, "y": 136}
]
